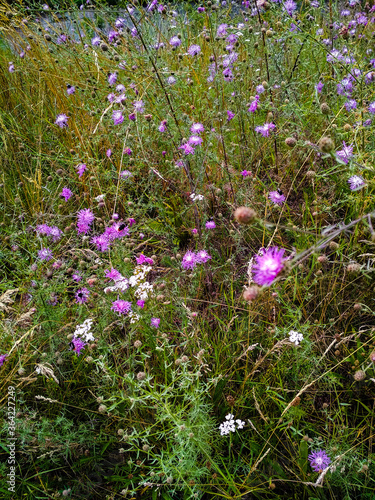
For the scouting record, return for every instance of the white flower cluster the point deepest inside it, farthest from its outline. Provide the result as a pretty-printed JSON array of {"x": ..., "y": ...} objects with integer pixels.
[
  {"x": 229, "y": 425},
  {"x": 295, "y": 337},
  {"x": 134, "y": 317},
  {"x": 196, "y": 197},
  {"x": 121, "y": 285},
  {"x": 84, "y": 332},
  {"x": 144, "y": 288}
]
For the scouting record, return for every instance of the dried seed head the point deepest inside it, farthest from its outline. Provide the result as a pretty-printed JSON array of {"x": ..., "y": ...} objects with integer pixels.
[
  {"x": 137, "y": 344},
  {"x": 141, "y": 376},
  {"x": 245, "y": 215},
  {"x": 359, "y": 375},
  {"x": 347, "y": 127},
  {"x": 354, "y": 267},
  {"x": 102, "y": 409},
  {"x": 325, "y": 109},
  {"x": 322, "y": 259},
  {"x": 251, "y": 293},
  {"x": 310, "y": 174},
  {"x": 333, "y": 245},
  {"x": 290, "y": 141},
  {"x": 326, "y": 144},
  {"x": 357, "y": 307}
]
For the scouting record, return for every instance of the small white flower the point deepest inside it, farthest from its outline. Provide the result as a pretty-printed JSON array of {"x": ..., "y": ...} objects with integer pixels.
[{"x": 295, "y": 337}]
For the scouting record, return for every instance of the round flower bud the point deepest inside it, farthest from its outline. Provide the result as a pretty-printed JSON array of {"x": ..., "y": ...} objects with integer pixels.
[
  {"x": 141, "y": 376},
  {"x": 326, "y": 144},
  {"x": 137, "y": 344},
  {"x": 357, "y": 307},
  {"x": 359, "y": 375},
  {"x": 333, "y": 245},
  {"x": 290, "y": 141},
  {"x": 102, "y": 409},
  {"x": 354, "y": 267},
  {"x": 322, "y": 259},
  {"x": 325, "y": 109},
  {"x": 244, "y": 215},
  {"x": 310, "y": 174},
  {"x": 372, "y": 357},
  {"x": 347, "y": 127},
  {"x": 251, "y": 293}
]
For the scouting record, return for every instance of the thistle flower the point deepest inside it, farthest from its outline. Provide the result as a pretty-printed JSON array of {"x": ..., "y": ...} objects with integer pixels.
[
  {"x": 202, "y": 257},
  {"x": 45, "y": 254},
  {"x": 113, "y": 274},
  {"x": 85, "y": 219},
  {"x": 82, "y": 295},
  {"x": 155, "y": 322},
  {"x": 189, "y": 260},
  {"x": 319, "y": 460},
  {"x": 193, "y": 50},
  {"x": 319, "y": 87},
  {"x": 108, "y": 153},
  {"x": 356, "y": 182},
  {"x": 61, "y": 120},
  {"x": 81, "y": 168},
  {"x": 210, "y": 224},
  {"x": 112, "y": 77},
  {"x": 254, "y": 105},
  {"x": 175, "y": 41},
  {"x": 66, "y": 193},
  {"x": 139, "y": 106},
  {"x": 171, "y": 80},
  {"x": 197, "y": 128},
  {"x": 195, "y": 140},
  {"x": 230, "y": 115},
  {"x": 70, "y": 89},
  {"x": 2, "y": 358},
  {"x": 78, "y": 344},
  {"x": 121, "y": 306},
  {"x": 345, "y": 153},
  {"x": 187, "y": 148},
  {"x": 265, "y": 129},
  {"x": 277, "y": 197},
  {"x": 95, "y": 41},
  {"x": 371, "y": 108},
  {"x": 268, "y": 266},
  {"x": 117, "y": 117}
]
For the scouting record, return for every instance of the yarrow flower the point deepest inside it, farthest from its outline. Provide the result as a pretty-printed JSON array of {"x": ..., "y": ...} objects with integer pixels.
[
  {"x": 265, "y": 129},
  {"x": 45, "y": 254},
  {"x": 229, "y": 425},
  {"x": 268, "y": 266},
  {"x": 66, "y": 193},
  {"x": 295, "y": 337},
  {"x": 356, "y": 182},
  {"x": 121, "y": 306},
  {"x": 319, "y": 460},
  {"x": 78, "y": 345},
  {"x": 82, "y": 295},
  {"x": 61, "y": 120},
  {"x": 277, "y": 197}
]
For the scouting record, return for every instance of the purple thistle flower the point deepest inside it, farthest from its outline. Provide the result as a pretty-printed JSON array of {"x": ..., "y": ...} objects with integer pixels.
[
  {"x": 101, "y": 242},
  {"x": 117, "y": 117},
  {"x": 268, "y": 266},
  {"x": 265, "y": 129},
  {"x": 319, "y": 460},
  {"x": 245, "y": 173},
  {"x": 155, "y": 322},
  {"x": 189, "y": 260},
  {"x": 113, "y": 274},
  {"x": 2, "y": 358},
  {"x": 260, "y": 89},
  {"x": 132, "y": 117},
  {"x": 11, "y": 67},
  {"x": 108, "y": 153},
  {"x": 112, "y": 77},
  {"x": 85, "y": 219},
  {"x": 254, "y": 105},
  {"x": 290, "y": 6},
  {"x": 210, "y": 224},
  {"x": 195, "y": 140},
  {"x": 230, "y": 115},
  {"x": 221, "y": 30},
  {"x": 200, "y": 10},
  {"x": 121, "y": 306},
  {"x": 78, "y": 344},
  {"x": 350, "y": 104},
  {"x": 163, "y": 126},
  {"x": 61, "y": 120},
  {"x": 81, "y": 168},
  {"x": 66, "y": 193},
  {"x": 82, "y": 295},
  {"x": 171, "y": 80},
  {"x": 187, "y": 148},
  {"x": 95, "y": 41},
  {"x": 56, "y": 233},
  {"x": 276, "y": 197},
  {"x": 193, "y": 50},
  {"x": 345, "y": 153},
  {"x": 197, "y": 128},
  {"x": 139, "y": 106},
  {"x": 76, "y": 277},
  {"x": 45, "y": 254},
  {"x": 70, "y": 89},
  {"x": 141, "y": 303},
  {"x": 356, "y": 182},
  {"x": 371, "y": 108},
  {"x": 319, "y": 87},
  {"x": 175, "y": 41},
  {"x": 202, "y": 257},
  {"x": 131, "y": 221}
]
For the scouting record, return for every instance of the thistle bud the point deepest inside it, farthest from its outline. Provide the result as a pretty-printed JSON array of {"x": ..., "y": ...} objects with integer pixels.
[
  {"x": 326, "y": 144},
  {"x": 245, "y": 215},
  {"x": 251, "y": 293}
]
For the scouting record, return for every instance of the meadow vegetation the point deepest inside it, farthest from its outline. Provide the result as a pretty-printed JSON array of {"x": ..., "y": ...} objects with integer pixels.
[{"x": 187, "y": 250}]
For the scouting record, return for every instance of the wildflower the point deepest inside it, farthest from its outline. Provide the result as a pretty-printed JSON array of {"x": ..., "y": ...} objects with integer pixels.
[
  {"x": 76, "y": 277},
  {"x": 155, "y": 322},
  {"x": 371, "y": 108},
  {"x": 175, "y": 41},
  {"x": 230, "y": 115},
  {"x": 193, "y": 50},
  {"x": 210, "y": 224},
  {"x": 112, "y": 77},
  {"x": 350, "y": 104},
  {"x": 195, "y": 140},
  {"x": 290, "y": 6},
  {"x": 194, "y": 231},
  {"x": 229, "y": 426},
  {"x": 66, "y": 193},
  {"x": 245, "y": 173},
  {"x": 189, "y": 260},
  {"x": 78, "y": 345},
  {"x": 265, "y": 129},
  {"x": 2, "y": 358},
  {"x": 345, "y": 153},
  {"x": 85, "y": 219},
  {"x": 113, "y": 274},
  {"x": 102, "y": 242},
  {"x": 128, "y": 151},
  {"x": 197, "y": 128},
  {"x": 81, "y": 168},
  {"x": 117, "y": 117},
  {"x": 277, "y": 197},
  {"x": 295, "y": 337},
  {"x": 108, "y": 153},
  {"x": 45, "y": 254},
  {"x": 95, "y": 41},
  {"x": 196, "y": 197},
  {"x": 61, "y": 120},
  {"x": 132, "y": 117},
  {"x": 187, "y": 148},
  {"x": 121, "y": 306},
  {"x": 319, "y": 460},
  {"x": 139, "y": 106},
  {"x": 260, "y": 89},
  {"x": 200, "y": 10},
  {"x": 70, "y": 89},
  {"x": 141, "y": 303},
  {"x": 171, "y": 80},
  {"x": 221, "y": 30},
  {"x": 202, "y": 257},
  {"x": 268, "y": 266},
  {"x": 163, "y": 126},
  {"x": 82, "y": 295},
  {"x": 319, "y": 87},
  {"x": 254, "y": 105},
  {"x": 356, "y": 182}
]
